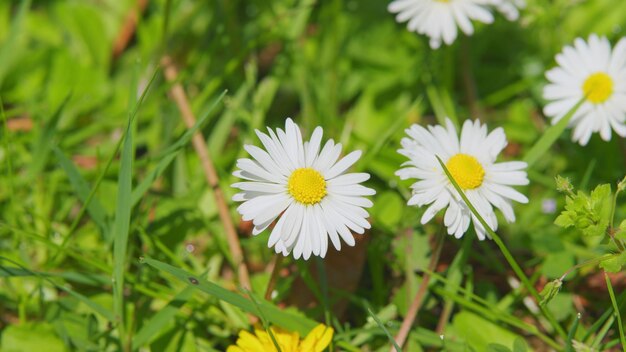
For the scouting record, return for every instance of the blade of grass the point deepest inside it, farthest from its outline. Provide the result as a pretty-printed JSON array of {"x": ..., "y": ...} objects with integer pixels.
[
  {"x": 287, "y": 320},
  {"x": 569, "y": 347},
  {"x": 89, "y": 303},
  {"x": 486, "y": 308},
  {"x": 170, "y": 154},
  {"x": 76, "y": 222},
  {"x": 43, "y": 146},
  {"x": 498, "y": 316},
  {"x": 597, "y": 325},
  {"x": 381, "y": 326},
  {"x": 121, "y": 226},
  {"x": 81, "y": 188},
  {"x": 260, "y": 314},
  {"x": 455, "y": 277},
  {"x": 178, "y": 94},
  {"x": 505, "y": 251},
  {"x": 151, "y": 328},
  {"x": 616, "y": 311},
  {"x": 8, "y": 151},
  {"x": 85, "y": 279},
  {"x": 550, "y": 136},
  {"x": 9, "y": 48}
]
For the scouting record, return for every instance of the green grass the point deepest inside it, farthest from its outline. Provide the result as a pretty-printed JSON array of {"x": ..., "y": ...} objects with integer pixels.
[{"x": 110, "y": 238}]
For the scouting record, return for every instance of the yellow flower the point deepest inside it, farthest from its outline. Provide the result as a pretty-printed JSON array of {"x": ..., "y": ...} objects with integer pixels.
[{"x": 316, "y": 341}]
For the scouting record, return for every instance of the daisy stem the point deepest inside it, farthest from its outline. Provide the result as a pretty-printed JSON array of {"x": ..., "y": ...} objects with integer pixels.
[
  {"x": 276, "y": 265},
  {"x": 507, "y": 254},
  {"x": 411, "y": 314},
  {"x": 180, "y": 98}
]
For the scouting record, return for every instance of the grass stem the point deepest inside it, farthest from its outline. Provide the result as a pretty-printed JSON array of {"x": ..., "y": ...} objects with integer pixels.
[
  {"x": 507, "y": 254},
  {"x": 180, "y": 98}
]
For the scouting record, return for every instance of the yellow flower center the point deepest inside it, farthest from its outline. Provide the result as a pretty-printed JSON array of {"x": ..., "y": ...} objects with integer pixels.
[
  {"x": 598, "y": 87},
  {"x": 466, "y": 171},
  {"x": 307, "y": 186}
]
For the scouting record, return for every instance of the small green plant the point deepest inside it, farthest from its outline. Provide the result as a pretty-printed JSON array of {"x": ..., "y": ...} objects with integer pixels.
[{"x": 593, "y": 215}]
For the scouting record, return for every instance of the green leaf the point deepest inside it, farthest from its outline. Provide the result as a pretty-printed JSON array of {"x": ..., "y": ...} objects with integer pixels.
[
  {"x": 564, "y": 220},
  {"x": 495, "y": 347},
  {"x": 31, "y": 337},
  {"x": 519, "y": 345},
  {"x": 588, "y": 213},
  {"x": 481, "y": 333},
  {"x": 614, "y": 264},
  {"x": 284, "y": 319}
]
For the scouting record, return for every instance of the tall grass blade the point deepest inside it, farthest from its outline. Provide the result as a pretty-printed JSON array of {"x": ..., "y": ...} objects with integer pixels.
[
  {"x": 287, "y": 320},
  {"x": 381, "y": 326},
  {"x": 550, "y": 136},
  {"x": 509, "y": 257},
  {"x": 170, "y": 154},
  {"x": 616, "y": 311},
  {"x": 81, "y": 188},
  {"x": 89, "y": 303},
  {"x": 121, "y": 224},
  {"x": 151, "y": 328},
  {"x": 43, "y": 146},
  {"x": 9, "y": 49}
]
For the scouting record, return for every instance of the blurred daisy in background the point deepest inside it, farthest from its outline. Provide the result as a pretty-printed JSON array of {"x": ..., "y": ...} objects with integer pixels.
[
  {"x": 509, "y": 8},
  {"x": 471, "y": 161},
  {"x": 439, "y": 19},
  {"x": 308, "y": 186},
  {"x": 592, "y": 71},
  {"x": 316, "y": 341}
]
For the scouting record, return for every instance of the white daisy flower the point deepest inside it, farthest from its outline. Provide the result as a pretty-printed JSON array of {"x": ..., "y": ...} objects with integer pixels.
[
  {"x": 309, "y": 187},
  {"x": 471, "y": 161},
  {"x": 509, "y": 8},
  {"x": 597, "y": 73},
  {"x": 439, "y": 19}
]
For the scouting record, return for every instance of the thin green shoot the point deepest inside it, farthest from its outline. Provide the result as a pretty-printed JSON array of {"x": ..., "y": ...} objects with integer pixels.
[
  {"x": 381, "y": 325},
  {"x": 550, "y": 136},
  {"x": 616, "y": 311},
  {"x": 260, "y": 314},
  {"x": 507, "y": 254}
]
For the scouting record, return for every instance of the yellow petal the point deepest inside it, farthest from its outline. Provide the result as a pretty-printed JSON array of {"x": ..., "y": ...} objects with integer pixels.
[
  {"x": 233, "y": 348},
  {"x": 318, "y": 339},
  {"x": 250, "y": 343}
]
